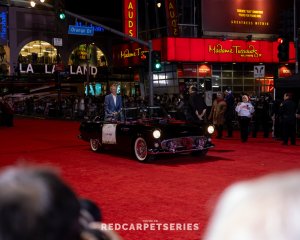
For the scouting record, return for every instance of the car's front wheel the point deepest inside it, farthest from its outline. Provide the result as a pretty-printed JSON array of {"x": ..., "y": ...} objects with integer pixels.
[
  {"x": 140, "y": 149},
  {"x": 95, "y": 145}
]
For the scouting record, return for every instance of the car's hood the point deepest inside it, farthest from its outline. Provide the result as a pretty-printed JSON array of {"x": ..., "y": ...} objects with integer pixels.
[{"x": 175, "y": 127}]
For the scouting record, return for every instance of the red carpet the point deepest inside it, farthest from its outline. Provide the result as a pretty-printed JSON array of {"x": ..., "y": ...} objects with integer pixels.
[{"x": 172, "y": 190}]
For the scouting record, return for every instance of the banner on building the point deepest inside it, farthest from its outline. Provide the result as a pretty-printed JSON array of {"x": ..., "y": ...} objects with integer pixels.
[
  {"x": 255, "y": 16},
  {"x": 216, "y": 50},
  {"x": 130, "y": 17},
  {"x": 172, "y": 19}
]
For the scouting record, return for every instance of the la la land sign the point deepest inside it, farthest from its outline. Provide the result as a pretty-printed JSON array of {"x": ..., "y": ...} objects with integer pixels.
[{"x": 50, "y": 69}]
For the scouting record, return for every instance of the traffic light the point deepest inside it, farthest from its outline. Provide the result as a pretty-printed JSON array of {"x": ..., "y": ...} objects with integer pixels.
[
  {"x": 156, "y": 61},
  {"x": 283, "y": 49},
  {"x": 61, "y": 15},
  {"x": 60, "y": 9},
  {"x": 144, "y": 60}
]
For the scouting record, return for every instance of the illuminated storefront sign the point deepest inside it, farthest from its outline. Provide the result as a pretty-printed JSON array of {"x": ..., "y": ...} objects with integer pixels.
[
  {"x": 250, "y": 51},
  {"x": 202, "y": 50},
  {"x": 284, "y": 72},
  {"x": 130, "y": 16},
  {"x": 173, "y": 29},
  {"x": 204, "y": 71},
  {"x": 3, "y": 26},
  {"x": 188, "y": 70},
  {"x": 194, "y": 70},
  {"x": 50, "y": 69},
  {"x": 137, "y": 52},
  {"x": 255, "y": 16},
  {"x": 216, "y": 50},
  {"x": 129, "y": 54}
]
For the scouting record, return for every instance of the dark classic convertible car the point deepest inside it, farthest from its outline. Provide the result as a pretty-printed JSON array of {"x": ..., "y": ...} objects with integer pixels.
[{"x": 146, "y": 132}]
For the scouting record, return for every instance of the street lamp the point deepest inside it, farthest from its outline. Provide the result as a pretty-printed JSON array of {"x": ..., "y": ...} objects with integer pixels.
[
  {"x": 32, "y": 3},
  {"x": 158, "y": 3}
]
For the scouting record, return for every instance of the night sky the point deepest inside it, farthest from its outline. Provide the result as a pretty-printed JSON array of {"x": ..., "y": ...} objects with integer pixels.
[{"x": 107, "y": 9}]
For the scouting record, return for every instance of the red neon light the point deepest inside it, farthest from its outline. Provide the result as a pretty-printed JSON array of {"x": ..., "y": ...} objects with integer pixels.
[
  {"x": 202, "y": 50},
  {"x": 280, "y": 40},
  {"x": 130, "y": 17},
  {"x": 216, "y": 50}
]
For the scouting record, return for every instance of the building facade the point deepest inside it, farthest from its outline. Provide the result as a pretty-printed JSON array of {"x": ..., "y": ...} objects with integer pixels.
[
  {"x": 208, "y": 43},
  {"x": 234, "y": 45},
  {"x": 38, "y": 47}
]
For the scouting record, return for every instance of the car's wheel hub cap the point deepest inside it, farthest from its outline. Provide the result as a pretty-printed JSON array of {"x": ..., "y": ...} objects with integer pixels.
[{"x": 141, "y": 149}]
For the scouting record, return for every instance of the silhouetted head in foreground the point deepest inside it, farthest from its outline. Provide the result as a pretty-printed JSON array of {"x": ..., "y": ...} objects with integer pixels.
[
  {"x": 266, "y": 208},
  {"x": 36, "y": 204}
]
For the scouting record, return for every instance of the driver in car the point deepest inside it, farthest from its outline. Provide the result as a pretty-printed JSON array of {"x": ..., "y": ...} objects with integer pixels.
[{"x": 113, "y": 104}]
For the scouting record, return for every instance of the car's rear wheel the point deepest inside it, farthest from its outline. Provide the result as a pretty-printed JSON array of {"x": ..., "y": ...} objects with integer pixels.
[
  {"x": 140, "y": 149},
  {"x": 95, "y": 144}
]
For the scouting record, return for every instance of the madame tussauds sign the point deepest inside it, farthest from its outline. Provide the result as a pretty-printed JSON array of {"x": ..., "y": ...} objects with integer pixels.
[
  {"x": 249, "y": 51},
  {"x": 50, "y": 69}
]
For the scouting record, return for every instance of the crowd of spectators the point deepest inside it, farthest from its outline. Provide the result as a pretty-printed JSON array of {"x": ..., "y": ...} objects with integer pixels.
[
  {"x": 266, "y": 116},
  {"x": 78, "y": 107}
]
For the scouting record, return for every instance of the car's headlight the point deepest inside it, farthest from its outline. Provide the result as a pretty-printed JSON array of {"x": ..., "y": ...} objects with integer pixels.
[
  {"x": 210, "y": 129},
  {"x": 156, "y": 133}
]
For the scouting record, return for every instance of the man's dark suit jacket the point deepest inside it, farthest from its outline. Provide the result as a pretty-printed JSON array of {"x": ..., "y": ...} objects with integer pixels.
[{"x": 110, "y": 106}]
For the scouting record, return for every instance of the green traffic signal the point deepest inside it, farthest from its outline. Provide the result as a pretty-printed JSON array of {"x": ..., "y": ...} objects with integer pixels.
[
  {"x": 156, "y": 61},
  {"x": 62, "y": 16},
  {"x": 59, "y": 8},
  {"x": 157, "y": 66}
]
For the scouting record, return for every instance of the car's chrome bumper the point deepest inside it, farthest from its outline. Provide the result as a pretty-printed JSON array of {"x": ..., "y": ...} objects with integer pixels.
[{"x": 181, "y": 145}]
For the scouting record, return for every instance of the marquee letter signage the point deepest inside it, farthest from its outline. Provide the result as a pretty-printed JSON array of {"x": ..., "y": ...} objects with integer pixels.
[
  {"x": 173, "y": 29},
  {"x": 130, "y": 16},
  {"x": 129, "y": 54},
  {"x": 50, "y": 69},
  {"x": 249, "y": 51}
]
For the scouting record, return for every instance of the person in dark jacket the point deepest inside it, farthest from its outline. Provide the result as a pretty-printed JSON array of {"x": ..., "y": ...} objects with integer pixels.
[
  {"x": 113, "y": 104},
  {"x": 196, "y": 105},
  {"x": 6, "y": 113},
  {"x": 229, "y": 113},
  {"x": 287, "y": 113},
  {"x": 261, "y": 116},
  {"x": 276, "y": 118}
]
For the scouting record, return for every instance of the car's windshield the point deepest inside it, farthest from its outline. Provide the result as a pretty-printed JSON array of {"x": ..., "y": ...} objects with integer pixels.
[{"x": 144, "y": 113}]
